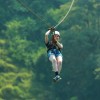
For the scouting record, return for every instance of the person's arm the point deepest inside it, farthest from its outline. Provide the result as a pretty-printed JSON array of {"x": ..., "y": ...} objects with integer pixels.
[
  {"x": 46, "y": 36},
  {"x": 59, "y": 45}
]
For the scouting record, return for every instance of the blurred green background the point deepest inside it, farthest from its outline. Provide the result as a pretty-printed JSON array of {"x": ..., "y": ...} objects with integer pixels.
[{"x": 25, "y": 71}]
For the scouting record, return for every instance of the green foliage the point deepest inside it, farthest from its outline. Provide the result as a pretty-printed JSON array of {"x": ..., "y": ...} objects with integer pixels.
[
  {"x": 63, "y": 8},
  {"x": 6, "y": 67},
  {"x": 3, "y": 52},
  {"x": 11, "y": 92},
  {"x": 2, "y": 42},
  {"x": 38, "y": 54},
  {"x": 25, "y": 72},
  {"x": 15, "y": 85},
  {"x": 74, "y": 98},
  {"x": 97, "y": 70},
  {"x": 20, "y": 28}
]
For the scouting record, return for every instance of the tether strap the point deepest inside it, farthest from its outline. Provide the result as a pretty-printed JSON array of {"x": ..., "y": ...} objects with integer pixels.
[
  {"x": 32, "y": 12},
  {"x": 65, "y": 15}
]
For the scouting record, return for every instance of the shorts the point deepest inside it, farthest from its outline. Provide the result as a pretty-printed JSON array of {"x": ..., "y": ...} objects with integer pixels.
[{"x": 54, "y": 52}]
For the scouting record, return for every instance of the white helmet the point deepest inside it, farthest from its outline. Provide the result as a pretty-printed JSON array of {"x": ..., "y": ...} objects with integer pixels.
[{"x": 56, "y": 32}]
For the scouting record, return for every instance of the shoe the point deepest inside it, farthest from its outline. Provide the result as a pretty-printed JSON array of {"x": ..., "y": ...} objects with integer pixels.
[{"x": 57, "y": 78}]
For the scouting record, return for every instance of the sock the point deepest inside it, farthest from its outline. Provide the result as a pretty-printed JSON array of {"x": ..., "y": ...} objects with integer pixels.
[{"x": 56, "y": 73}]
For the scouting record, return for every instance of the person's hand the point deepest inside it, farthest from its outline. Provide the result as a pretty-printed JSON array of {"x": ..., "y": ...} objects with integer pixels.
[{"x": 52, "y": 29}]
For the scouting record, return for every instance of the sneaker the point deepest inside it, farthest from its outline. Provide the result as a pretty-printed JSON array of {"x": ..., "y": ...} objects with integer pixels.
[{"x": 57, "y": 78}]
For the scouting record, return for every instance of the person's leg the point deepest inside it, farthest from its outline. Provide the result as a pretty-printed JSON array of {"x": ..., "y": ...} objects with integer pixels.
[
  {"x": 59, "y": 63},
  {"x": 54, "y": 63}
]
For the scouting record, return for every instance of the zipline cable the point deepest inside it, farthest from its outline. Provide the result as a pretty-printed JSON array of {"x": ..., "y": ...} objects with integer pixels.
[
  {"x": 32, "y": 12},
  {"x": 66, "y": 14},
  {"x": 45, "y": 20}
]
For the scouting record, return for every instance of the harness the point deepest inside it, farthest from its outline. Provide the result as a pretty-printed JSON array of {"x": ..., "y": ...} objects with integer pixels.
[{"x": 51, "y": 46}]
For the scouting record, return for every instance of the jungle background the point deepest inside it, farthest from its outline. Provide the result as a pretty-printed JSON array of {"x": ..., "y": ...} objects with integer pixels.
[{"x": 25, "y": 71}]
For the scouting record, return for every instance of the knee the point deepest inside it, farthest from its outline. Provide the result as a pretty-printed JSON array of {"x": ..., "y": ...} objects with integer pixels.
[
  {"x": 54, "y": 60},
  {"x": 60, "y": 62}
]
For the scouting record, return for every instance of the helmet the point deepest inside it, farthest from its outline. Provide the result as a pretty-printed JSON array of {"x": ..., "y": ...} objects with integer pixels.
[{"x": 56, "y": 32}]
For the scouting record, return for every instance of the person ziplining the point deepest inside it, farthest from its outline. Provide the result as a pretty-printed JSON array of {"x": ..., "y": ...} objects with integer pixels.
[
  {"x": 54, "y": 52},
  {"x": 54, "y": 47}
]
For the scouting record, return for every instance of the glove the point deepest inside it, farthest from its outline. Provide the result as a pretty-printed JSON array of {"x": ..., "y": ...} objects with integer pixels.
[{"x": 52, "y": 29}]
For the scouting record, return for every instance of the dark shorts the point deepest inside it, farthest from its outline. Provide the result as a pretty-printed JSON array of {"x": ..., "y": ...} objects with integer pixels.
[{"x": 54, "y": 52}]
